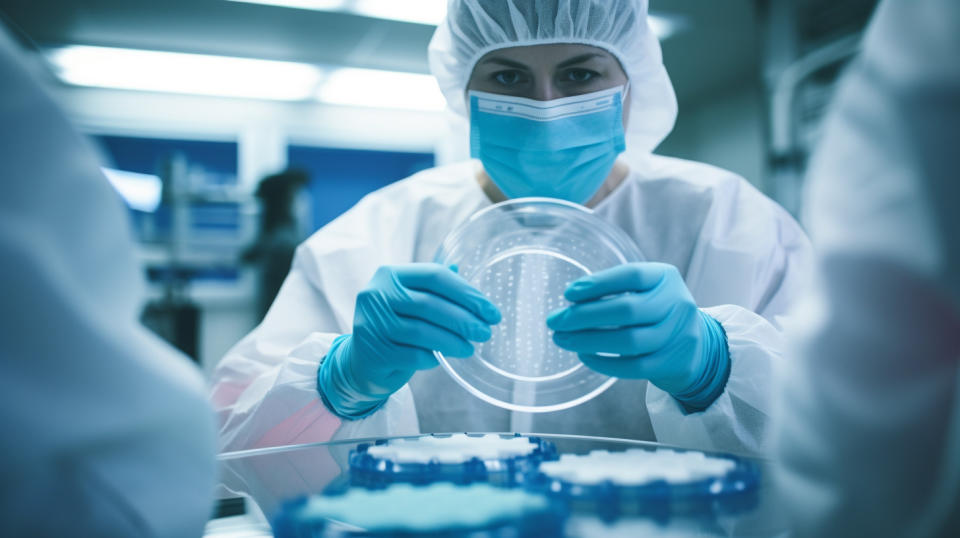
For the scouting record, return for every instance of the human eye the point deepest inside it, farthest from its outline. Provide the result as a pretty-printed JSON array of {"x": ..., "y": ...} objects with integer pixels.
[
  {"x": 579, "y": 75},
  {"x": 508, "y": 78}
]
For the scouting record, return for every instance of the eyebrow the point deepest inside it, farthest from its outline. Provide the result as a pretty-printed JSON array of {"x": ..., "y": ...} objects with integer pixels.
[
  {"x": 566, "y": 63},
  {"x": 505, "y": 62},
  {"x": 580, "y": 59}
]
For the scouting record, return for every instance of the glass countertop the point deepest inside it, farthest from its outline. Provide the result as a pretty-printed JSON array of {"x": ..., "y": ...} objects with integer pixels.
[{"x": 267, "y": 477}]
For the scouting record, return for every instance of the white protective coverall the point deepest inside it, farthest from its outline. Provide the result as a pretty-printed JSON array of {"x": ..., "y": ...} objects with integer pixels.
[
  {"x": 106, "y": 429},
  {"x": 870, "y": 436},
  {"x": 743, "y": 258},
  {"x": 741, "y": 255}
]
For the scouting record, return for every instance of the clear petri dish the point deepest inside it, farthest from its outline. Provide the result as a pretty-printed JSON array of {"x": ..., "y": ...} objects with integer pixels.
[
  {"x": 522, "y": 254},
  {"x": 405, "y": 510},
  {"x": 649, "y": 483},
  {"x": 459, "y": 458}
]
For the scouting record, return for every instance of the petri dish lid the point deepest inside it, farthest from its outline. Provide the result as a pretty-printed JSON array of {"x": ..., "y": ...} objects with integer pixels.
[
  {"x": 455, "y": 448},
  {"x": 650, "y": 482},
  {"x": 522, "y": 254},
  {"x": 459, "y": 458},
  {"x": 658, "y": 483},
  {"x": 470, "y": 511},
  {"x": 638, "y": 467}
]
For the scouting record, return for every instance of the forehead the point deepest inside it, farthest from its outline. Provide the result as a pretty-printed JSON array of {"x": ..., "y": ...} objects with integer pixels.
[{"x": 546, "y": 56}]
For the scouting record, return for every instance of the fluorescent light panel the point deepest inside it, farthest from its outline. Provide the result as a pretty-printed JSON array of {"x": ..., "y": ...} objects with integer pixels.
[
  {"x": 418, "y": 11},
  {"x": 381, "y": 89},
  {"x": 432, "y": 11},
  {"x": 141, "y": 191},
  {"x": 184, "y": 73},
  {"x": 665, "y": 26},
  {"x": 243, "y": 77}
]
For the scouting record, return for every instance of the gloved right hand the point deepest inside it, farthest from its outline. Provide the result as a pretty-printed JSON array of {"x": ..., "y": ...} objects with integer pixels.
[{"x": 404, "y": 314}]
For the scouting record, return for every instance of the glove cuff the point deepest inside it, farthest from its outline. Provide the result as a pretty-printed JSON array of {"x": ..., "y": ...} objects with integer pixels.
[
  {"x": 715, "y": 356},
  {"x": 336, "y": 390}
]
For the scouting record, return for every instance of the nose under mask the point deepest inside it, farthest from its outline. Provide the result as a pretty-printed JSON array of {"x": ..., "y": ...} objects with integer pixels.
[{"x": 563, "y": 148}]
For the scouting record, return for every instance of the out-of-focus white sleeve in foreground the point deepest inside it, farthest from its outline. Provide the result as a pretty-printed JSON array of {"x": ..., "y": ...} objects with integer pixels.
[
  {"x": 870, "y": 411},
  {"x": 106, "y": 429},
  {"x": 265, "y": 388},
  {"x": 749, "y": 269}
]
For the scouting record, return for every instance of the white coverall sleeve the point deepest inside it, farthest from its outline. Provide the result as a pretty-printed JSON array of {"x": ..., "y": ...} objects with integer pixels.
[
  {"x": 106, "y": 429},
  {"x": 870, "y": 431},
  {"x": 765, "y": 274},
  {"x": 738, "y": 420},
  {"x": 265, "y": 388}
]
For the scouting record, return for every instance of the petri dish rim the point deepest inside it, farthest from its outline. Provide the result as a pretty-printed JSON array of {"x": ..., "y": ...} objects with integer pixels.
[{"x": 609, "y": 237}]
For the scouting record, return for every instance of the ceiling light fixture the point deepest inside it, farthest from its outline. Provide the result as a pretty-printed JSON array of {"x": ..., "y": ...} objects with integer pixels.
[
  {"x": 381, "y": 89},
  {"x": 431, "y": 12},
  {"x": 176, "y": 72},
  {"x": 419, "y": 11},
  {"x": 142, "y": 192},
  {"x": 223, "y": 76}
]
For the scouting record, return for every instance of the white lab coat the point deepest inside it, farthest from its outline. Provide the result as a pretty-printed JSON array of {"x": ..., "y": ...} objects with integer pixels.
[
  {"x": 870, "y": 436},
  {"x": 106, "y": 430},
  {"x": 741, "y": 255}
]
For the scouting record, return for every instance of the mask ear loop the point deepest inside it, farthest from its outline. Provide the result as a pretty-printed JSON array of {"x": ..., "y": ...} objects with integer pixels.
[{"x": 623, "y": 101}]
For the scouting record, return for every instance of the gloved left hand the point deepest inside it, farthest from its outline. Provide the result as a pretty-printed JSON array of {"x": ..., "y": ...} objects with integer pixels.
[
  {"x": 639, "y": 321},
  {"x": 404, "y": 313}
]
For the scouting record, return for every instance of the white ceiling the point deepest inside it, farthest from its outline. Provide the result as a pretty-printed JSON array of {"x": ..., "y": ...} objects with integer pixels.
[{"x": 719, "y": 51}]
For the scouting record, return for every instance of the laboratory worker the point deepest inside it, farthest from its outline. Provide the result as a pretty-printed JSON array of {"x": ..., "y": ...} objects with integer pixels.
[
  {"x": 346, "y": 348},
  {"x": 107, "y": 430},
  {"x": 870, "y": 430}
]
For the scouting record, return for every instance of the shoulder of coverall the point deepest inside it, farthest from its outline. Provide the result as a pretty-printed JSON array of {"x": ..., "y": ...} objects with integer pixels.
[
  {"x": 652, "y": 167},
  {"x": 723, "y": 187}
]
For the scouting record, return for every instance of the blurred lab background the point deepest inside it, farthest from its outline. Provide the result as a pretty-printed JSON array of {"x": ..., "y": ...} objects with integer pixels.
[{"x": 234, "y": 129}]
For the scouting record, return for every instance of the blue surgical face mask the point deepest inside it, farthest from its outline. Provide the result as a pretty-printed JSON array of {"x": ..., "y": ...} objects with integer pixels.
[{"x": 562, "y": 148}]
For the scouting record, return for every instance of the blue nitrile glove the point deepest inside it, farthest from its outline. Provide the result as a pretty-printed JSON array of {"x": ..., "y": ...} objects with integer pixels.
[
  {"x": 405, "y": 313},
  {"x": 644, "y": 313}
]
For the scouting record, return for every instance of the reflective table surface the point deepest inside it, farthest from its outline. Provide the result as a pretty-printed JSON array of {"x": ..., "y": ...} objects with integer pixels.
[{"x": 265, "y": 478}]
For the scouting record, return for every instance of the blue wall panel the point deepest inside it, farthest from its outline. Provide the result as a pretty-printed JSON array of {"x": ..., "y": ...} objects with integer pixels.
[
  {"x": 339, "y": 178},
  {"x": 148, "y": 155}
]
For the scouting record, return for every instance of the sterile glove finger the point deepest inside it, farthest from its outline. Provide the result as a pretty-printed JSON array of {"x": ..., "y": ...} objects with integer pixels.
[
  {"x": 652, "y": 368},
  {"x": 636, "y": 340},
  {"x": 439, "y": 311},
  {"x": 439, "y": 280},
  {"x": 422, "y": 334},
  {"x": 391, "y": 380},
  {"x": 418, "y": 358},
  {"x": 668, "y": 376},
  {"x": 622, "y": 310},
  {"x": 622, "y": 367},
  {"x": 640, "y": 276}
]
